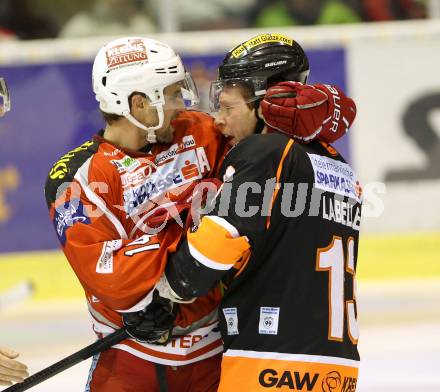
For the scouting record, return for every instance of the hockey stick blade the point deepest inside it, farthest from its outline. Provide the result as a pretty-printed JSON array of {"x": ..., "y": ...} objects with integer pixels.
[{"x": 71, "y": 360}]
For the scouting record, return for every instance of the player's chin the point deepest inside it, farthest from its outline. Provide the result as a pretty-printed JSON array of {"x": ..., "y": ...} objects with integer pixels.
[
  {"x": 233, "y": 141},
  {"x": 230, "y": 139}
]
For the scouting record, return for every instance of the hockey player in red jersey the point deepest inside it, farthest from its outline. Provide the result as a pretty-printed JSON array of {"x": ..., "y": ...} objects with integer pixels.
[
  {"x": 283, "y": 232},
  {"x": 103, "y": 196}
]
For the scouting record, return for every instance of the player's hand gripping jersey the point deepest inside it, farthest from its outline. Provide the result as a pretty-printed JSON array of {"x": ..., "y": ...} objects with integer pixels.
[
  {"x": 100, "y": 199},
  {"x": 288, "y": 316}
]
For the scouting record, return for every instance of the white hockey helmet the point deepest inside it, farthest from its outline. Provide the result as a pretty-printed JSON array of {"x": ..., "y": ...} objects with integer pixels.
[{"x": 136, "y": 64}]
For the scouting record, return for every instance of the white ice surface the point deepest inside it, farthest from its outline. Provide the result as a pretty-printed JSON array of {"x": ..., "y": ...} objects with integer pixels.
[{"x": 399, "y": 343}]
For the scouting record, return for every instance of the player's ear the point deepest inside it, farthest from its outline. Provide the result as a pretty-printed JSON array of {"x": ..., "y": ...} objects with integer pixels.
[{"x": 137, "y": 101}]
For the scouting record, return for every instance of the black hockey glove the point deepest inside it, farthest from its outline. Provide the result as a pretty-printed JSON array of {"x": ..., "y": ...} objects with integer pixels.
[{"x": 154, "y": 324}]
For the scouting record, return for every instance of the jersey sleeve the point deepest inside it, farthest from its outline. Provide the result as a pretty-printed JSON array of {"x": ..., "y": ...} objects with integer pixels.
[
  {"x": 113, "y": 269},
  {"x": 242, "y": 213}
]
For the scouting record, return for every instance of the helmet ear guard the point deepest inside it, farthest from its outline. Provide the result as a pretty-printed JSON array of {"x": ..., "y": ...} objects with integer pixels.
[{"x": 142, "y": 65}]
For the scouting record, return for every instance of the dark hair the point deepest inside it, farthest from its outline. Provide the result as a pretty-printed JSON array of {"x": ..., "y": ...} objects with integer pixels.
[{"x": 110, "y": 118}]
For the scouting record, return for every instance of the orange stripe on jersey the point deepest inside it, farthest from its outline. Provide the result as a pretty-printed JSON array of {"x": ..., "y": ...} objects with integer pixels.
[
  {"x": 277, "y": 185},
  {"x": 216, "y": 243},
  {"x": 241, "y": 264},
  {"x": 261, "y": 374},
  {"x": 329, "y": 148}
]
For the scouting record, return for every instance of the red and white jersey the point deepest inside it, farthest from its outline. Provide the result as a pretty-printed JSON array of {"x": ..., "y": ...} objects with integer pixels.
[{"x": 100, "y": 198}]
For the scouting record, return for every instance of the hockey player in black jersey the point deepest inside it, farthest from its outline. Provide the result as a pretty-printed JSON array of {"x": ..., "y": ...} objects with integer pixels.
[{"x": 283, "y": 233}]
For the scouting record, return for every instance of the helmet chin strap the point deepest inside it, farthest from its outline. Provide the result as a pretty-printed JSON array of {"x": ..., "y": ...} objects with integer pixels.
[{"x": 151, "y": 134}]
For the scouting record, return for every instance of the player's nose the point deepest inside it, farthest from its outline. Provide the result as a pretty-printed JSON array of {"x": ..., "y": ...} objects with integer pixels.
[{"x": 220, "y": 122}]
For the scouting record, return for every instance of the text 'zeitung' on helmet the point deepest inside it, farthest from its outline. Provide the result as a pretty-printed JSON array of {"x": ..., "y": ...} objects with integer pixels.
[{"x": 131, "y": 51}]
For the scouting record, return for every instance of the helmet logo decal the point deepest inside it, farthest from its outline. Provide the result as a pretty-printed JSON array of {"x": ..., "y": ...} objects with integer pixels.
[
  {"x": 261, "y": 39},
  {"x": 275, "y": 63},
  {"x": 133, "y": 50}
]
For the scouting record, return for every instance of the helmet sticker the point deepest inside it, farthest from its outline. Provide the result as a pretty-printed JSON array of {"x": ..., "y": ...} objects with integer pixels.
[
  {"x": 275, "y": 63},
  {"x": 133, "y": 50},
  {"x": 261, "y": 39}
]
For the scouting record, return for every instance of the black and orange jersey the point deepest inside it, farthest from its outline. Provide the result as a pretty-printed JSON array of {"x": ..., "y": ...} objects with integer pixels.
[
  {"x": 100, "y": 197},
  {"x": 283, "y": 236}
]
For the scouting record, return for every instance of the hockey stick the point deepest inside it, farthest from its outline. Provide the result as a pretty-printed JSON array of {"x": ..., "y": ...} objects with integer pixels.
[
  {"x": 16, "y": 294},
  {"x": 71, "y": 360}
]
